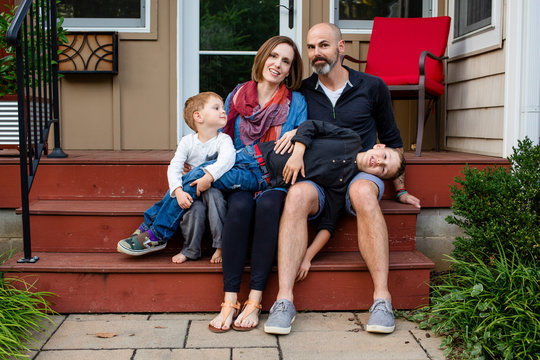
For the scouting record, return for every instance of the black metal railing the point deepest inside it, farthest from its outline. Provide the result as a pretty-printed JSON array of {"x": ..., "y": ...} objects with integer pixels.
[{"x": 33, "y": 34}]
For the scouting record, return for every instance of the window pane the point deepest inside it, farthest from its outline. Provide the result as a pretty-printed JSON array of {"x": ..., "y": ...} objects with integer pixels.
[
  {"x": 237, "y": 24},
  {"x": 368, "y": 10},
  {"x": 471, "y": 15},
  {"x": 477, "y": 11},
  {"x": 221, "y": 73},
  {"x": 100, "y": 8}
]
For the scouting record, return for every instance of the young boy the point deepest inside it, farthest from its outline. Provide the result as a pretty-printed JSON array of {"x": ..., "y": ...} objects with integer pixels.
[
  {"x": 204, "y": 113},
  {"x": 325, "y": 154}
]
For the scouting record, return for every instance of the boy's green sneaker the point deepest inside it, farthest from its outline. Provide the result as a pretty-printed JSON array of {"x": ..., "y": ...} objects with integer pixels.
[{"x": 140, "y": 243}]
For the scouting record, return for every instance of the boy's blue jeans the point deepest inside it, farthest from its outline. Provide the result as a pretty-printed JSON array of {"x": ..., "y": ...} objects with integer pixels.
[{"x": 163, "y": 218}]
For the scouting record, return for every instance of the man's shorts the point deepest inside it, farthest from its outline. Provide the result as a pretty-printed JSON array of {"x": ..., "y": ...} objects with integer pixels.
[{"x": 359, "y": 176}]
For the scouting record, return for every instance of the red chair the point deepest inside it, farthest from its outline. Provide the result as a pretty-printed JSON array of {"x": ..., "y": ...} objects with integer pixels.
[{"x": 407, "y": 53}]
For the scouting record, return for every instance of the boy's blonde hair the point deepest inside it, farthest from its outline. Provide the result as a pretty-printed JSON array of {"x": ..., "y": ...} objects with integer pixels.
[{"x": 197, "y": 103}]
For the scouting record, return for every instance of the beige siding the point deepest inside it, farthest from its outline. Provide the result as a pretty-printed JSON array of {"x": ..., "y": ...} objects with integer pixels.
[
  {"x": 490, "y": 147},
  {"x": 475, "y": 117},
  {"x": 134, "y": 109},
  {"x": 476, "y": 123}
]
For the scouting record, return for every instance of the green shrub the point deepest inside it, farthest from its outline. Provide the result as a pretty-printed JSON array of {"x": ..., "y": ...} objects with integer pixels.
[
  {"x": 8, "y": 67},
  {"x": 487, "y": 310},
  {"x": 22, "y": 313},
  {"x": 499, "y": 203}
]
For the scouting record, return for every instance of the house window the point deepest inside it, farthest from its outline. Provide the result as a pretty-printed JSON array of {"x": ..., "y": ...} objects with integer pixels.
[
  {"x": 123, "y": 15},
  {"x": 359, "y": 14},
  {"x": 477, "y": 26},
  {"x": 471, "y": 15}
]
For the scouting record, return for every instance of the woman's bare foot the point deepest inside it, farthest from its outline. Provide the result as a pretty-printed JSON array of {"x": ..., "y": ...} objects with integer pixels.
[
  {"x": 179, "y": 258},
  {"x": 218, "y": 322},
  {"x": 252, "y": 320},
  {"x": 216, "y": 258}
]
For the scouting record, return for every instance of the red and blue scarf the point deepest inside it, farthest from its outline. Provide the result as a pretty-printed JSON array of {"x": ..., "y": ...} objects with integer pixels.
[{"x": 256, "y": 123}]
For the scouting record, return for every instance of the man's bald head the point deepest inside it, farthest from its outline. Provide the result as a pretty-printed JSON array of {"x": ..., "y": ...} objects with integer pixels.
[{"x": 333, "y": 29}]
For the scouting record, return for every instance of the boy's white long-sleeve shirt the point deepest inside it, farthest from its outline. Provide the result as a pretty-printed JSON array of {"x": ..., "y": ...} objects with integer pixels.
[{"x": 191, "y": 150}]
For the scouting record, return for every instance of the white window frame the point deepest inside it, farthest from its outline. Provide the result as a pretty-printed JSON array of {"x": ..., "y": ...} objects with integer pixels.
[
  {"x": 112, "y": 24},
  {"x": 484, "y": 39},
  {"x": 365, "y": 26}
]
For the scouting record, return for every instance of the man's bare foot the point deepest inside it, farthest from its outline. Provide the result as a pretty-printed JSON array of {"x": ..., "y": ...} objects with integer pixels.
[
  {"x": 179, "y": 258},
  {"x": 216, "y": 258}
]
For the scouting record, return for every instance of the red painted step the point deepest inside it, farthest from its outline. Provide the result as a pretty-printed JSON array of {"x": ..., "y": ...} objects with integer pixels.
[
  {"x": 106, "y": 282},
  {"x": 97, "y": 225}
]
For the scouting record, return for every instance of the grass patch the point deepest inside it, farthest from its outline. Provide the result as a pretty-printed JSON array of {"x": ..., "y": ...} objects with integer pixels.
[{"x": 22, "y": 313}]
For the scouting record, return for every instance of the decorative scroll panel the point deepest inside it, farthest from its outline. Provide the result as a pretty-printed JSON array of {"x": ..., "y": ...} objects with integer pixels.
[{"x": 89, "y": 52}]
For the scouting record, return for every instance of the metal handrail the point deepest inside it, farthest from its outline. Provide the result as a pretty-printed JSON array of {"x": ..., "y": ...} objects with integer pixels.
[{"x": 33, "y": 34}]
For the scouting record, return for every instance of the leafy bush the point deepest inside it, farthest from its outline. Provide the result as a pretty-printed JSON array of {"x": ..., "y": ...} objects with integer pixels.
[
  {"x": 8, "y": 76},
  {"x": 22, "y": 313},
  {"x": 499, "y": 203},
  {"x": 488, "y": 305},
  {"x": 487, "y": 310}
]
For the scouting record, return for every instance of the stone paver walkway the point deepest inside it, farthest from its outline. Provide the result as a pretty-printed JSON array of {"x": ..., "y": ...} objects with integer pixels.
[{"x": 332, "y": 335}]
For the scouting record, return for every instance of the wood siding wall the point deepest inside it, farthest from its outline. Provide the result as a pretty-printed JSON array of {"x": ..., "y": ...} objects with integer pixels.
[
  {"x": 134, "y": 109},
  {"x": 475, "y": 110}
]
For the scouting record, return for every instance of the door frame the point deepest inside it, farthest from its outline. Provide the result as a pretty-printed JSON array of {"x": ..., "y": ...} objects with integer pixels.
[{"x": 187, "y": 54}]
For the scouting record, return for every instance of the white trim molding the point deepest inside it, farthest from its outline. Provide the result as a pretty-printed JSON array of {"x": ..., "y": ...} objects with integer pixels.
[{"x": 522, "y": 74}]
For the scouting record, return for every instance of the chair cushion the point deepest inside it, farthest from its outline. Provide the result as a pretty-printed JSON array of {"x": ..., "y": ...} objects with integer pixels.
[
  {"x": 432, "y": 87},
  {"x": 396, "y": 45}
]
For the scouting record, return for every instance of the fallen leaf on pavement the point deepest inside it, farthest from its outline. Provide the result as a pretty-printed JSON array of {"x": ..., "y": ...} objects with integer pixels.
[{"x": 105, "y": 335}]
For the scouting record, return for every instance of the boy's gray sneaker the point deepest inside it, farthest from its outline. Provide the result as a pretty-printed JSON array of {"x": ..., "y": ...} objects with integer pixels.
[
  {"x": 282, "y": 315},
  {"x": 382, "y": 317},
  {"x": 139, "y": 243}
]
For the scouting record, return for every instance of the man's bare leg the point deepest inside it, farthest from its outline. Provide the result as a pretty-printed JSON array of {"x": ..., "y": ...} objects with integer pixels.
[
  {"x": 373, "y": 245},
  {"x": 372, "y": 235},
  {"x": 302, "y": 200}
]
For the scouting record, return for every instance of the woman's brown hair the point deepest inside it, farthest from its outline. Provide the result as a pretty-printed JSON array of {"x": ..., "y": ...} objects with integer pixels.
[{"x": 294, "y": 79}]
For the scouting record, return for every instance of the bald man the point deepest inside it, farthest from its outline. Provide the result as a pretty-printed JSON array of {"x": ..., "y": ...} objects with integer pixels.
[{"x": 361, "y": 102}]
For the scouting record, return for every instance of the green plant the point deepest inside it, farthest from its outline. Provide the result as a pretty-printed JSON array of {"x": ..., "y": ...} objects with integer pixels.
[
  {"x": 7, "y": 62},
  {"x": 22, "y": 313},
  {"x": 499, "y": 203},
  {"x": 487, "y": 310},
  {"x": 8, "y": 77}
]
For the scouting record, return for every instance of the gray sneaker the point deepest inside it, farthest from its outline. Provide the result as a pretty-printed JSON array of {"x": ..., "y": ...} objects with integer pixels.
[
  {"x": 139, "y": 243},
  {"x": 282, "y": 315},
  {"x": 382, "y": 317}
]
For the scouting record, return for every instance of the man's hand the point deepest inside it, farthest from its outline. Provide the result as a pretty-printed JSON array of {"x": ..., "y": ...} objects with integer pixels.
[
  {"x": 295, "y": 164},
  {"x": 284, "y": 144},
  {"x": 303, "y": 270},
  {"x": 203, "y": 183},
  {"x": 409, "y": 199},
  {"x": 183, "y": 198}
]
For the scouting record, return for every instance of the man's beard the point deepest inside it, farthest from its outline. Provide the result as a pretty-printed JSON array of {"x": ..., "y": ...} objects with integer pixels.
[{"x": 327, "y": 67}]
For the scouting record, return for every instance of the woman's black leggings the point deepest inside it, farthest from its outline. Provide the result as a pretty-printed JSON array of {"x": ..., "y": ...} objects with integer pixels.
[{"x": 244, "y": 214}]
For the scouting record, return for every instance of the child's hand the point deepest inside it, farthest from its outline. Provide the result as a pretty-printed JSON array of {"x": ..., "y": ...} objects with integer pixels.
[
  {"x": 203, "y": 183},
  {"x": 303, "y": 270},
  {"x": 294, "y": 165},
  {"x": 183, "y": 198},
  {"x": 187, "y": 168}
]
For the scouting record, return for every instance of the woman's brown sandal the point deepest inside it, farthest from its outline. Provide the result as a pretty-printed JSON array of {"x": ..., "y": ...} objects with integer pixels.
[
  {"x": 255, "y": 306},
  {"x": 228, "y": 306}
]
